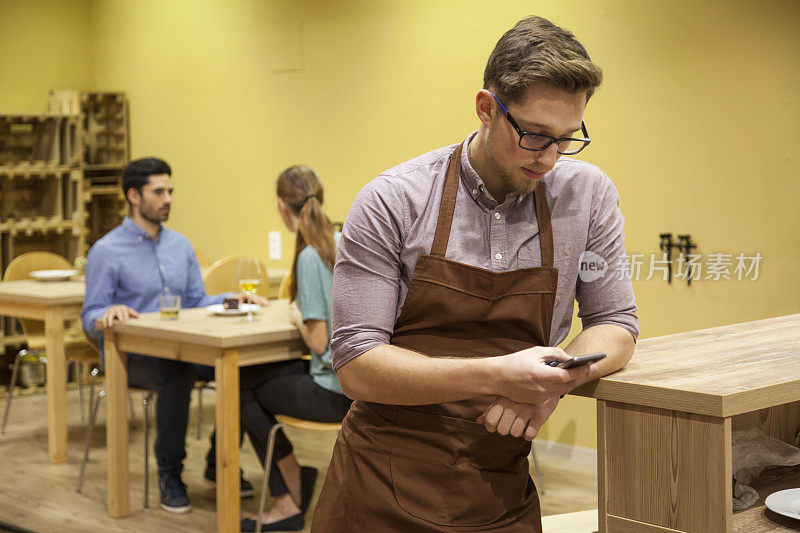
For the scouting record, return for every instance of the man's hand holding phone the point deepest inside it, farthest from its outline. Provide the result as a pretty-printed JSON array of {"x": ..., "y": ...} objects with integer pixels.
[
  {"x": 559, "y": 370},
  {"x": 528, "y": 376}
]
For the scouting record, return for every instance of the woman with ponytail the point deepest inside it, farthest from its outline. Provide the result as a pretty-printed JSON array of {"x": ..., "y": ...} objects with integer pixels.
[{"x": 297, "y": 388}]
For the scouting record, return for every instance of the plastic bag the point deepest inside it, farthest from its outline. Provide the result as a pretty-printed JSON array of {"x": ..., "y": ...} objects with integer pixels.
[{"x": 754, "y": 450}]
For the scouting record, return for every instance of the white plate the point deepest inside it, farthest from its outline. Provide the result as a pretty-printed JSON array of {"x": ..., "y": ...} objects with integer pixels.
[
  {"x": 219, "y": 310},
  {"x": 785, "y": 502},
  {"x": 53, "y": 275}
]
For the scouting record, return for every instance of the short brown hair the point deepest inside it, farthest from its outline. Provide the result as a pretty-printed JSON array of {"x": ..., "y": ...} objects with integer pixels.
[{"x": 536, "y": 50}]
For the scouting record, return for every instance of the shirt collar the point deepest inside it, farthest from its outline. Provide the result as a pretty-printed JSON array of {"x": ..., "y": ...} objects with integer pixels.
[
  {"x": 129, "y": 225},
  {"x": 474, "y": 183}
]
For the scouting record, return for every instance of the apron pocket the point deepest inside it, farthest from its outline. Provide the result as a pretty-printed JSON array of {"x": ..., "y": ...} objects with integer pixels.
[{"x": 433, "y": 482}]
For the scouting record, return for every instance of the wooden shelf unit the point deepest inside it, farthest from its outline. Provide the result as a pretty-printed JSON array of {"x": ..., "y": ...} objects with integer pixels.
[
  {"x": 104, "y": 120},
  {"x": 60, "y": 178},
  {"x": 41, "y": 183}
]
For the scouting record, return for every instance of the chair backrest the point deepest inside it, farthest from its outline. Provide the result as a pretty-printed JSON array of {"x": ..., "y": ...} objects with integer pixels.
[
  {"x": 23, "y": 265},
  {"x": 221, "y": 277},
  {"x": 283, "y": 290},
  {"x": 20, "y": 268}
]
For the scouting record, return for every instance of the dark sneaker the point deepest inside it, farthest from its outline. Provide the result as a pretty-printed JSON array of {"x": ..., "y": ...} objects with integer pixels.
[
  {"x": 173, "y": 495},
  {"x": 246, "y": 489}
]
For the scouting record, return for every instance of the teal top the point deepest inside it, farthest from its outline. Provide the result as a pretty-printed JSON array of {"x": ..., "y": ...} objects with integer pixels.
[{"x": 314, "y": 295}]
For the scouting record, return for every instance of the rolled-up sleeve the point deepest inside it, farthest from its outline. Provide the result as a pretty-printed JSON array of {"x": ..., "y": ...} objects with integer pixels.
[
  {"x": 366, "y": 277},
  {"x": 609, "y": 298}
]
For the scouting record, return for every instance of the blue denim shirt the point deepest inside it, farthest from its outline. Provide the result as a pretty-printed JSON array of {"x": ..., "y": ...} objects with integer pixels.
[{"x": 126, "y": 266}]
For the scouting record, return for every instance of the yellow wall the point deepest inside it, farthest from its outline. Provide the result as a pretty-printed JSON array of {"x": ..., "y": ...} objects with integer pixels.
[
  {"x": 696, "y": 122},
  {"x": 44, "y": 44}
]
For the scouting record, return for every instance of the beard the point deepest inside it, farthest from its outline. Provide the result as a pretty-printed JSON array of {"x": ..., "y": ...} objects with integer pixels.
[
  {"x": 514, "y": 184},
  {"x": 153, "y": 214}
]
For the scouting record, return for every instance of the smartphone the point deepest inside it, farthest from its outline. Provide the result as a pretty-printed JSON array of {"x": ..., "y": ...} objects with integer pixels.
[{"x": 582, "y": 360}]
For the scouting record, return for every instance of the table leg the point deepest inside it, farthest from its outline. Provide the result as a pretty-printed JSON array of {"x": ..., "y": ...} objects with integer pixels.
[
  {"x": 602, "y": 476},
  {"x": 117, "y": 428},
  {"x": 56, "y": 384},
  {"x": 227, "y": 414}
]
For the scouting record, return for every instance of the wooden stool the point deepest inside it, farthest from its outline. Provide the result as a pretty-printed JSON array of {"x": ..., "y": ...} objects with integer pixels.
[{"x": 284, "y": 420}]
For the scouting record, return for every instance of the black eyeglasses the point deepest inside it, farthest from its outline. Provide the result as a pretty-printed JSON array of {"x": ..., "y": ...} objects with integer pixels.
[{"x": 536, "y": 142}]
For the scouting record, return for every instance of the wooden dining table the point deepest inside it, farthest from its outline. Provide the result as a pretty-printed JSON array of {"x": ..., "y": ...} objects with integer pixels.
[
  {"x": 224, "y": 342},
  {"x": 52, "y": 302},
  {"x": 55, "y": 302}
]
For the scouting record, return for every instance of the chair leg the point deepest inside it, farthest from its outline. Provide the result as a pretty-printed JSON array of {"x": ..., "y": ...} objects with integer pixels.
[
  {"x": 132, "y": 418},
  {"x": 537, "y": 471},
  {"x": 89, "y": 433},
  {"x": 92, "y": 380},
  {"x": 79, "y": 380},
  {"x": 267, "y": 467},
  {"x": 11, "y": 385},
  {"x": 199, "y": 410},
  {"x": 146, "y": 404}
]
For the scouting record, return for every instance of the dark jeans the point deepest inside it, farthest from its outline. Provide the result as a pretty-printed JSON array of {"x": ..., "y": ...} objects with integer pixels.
[
  {"x": 284, "y": 388},
  {"x": 172, "y": 381}
]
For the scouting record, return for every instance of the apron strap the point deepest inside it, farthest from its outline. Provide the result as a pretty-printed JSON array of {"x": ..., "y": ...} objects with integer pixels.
[
  {"x": 545, "y": 228},
  {"x": 448, "y": 205}
]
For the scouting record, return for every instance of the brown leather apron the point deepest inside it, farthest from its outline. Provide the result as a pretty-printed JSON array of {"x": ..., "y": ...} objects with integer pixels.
[{"x": 429, "y": 468}]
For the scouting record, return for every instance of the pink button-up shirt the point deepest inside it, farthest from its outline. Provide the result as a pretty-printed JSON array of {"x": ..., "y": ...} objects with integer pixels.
[{"x": 393, "y": 219}]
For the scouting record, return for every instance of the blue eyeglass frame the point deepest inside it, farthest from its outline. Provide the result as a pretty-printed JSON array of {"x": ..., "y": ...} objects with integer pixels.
[{"x": 550, "y": 139}]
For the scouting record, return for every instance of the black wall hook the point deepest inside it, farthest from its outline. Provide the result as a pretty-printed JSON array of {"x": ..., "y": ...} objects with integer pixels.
[
  {"x": 666, "y": 245},
  {"x": 685, "y": 246}
]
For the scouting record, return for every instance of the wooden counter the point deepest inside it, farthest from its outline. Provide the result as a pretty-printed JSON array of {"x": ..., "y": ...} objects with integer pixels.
[{"x": 665, "y": 422}]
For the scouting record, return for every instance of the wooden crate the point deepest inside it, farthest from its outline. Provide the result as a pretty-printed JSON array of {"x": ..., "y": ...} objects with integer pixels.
[
  {"x": 104, "y": 117},
  {"x": 24, "y": 198},
  {"x": 40, "y": 141},
  {"x": 104, "y": 204}
]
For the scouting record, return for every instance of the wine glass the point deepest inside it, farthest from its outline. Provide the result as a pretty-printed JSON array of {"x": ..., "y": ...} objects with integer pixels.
[{"x": 248, "y": 273}]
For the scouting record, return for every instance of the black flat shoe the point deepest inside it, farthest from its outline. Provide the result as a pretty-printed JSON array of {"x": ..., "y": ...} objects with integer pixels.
[
  {"x": 292, "y": 523},
  {"x": 308, "y": 476}
]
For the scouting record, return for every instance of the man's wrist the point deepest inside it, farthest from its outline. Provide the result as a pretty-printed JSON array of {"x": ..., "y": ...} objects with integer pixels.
[{"x": 489, "y": 375}]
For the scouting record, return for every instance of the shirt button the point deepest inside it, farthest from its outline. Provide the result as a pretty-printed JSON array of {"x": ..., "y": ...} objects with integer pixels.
[
  {"x": 141, "y": 238},
  {"x": 497, "y": 216},
  {"x": 166, "y": 289},
  {"x": 163, "y": 267},
  {"x": 498, "y": 256},
  {"x": 474, "y": 191}
]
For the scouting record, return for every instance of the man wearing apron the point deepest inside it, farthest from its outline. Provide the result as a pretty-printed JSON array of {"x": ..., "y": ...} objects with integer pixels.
[{"x": 457, "y": 274}]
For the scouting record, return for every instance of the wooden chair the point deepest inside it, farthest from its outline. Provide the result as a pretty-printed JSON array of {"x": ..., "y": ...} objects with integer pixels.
[
  {"x": 94, "y": 406},
  {"x": 146, "y": 401},
  {"x": 284, "y": 420},
  {"x": 78, "y": 351},
  {"x": 221, "y": 277}
]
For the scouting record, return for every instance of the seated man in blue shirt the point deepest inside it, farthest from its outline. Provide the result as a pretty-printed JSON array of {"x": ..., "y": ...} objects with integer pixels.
[{"x": 126, "y": 271}]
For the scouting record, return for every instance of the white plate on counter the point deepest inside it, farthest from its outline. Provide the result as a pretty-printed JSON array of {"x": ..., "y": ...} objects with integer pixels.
[
  {"x": 219, "y": 310},
  {"x": 54, "y": 275},
  {"x": 785, "y": 502}
]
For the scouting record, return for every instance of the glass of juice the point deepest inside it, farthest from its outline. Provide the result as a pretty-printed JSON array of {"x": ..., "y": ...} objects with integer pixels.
[{"x": 170, "y": 305}]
